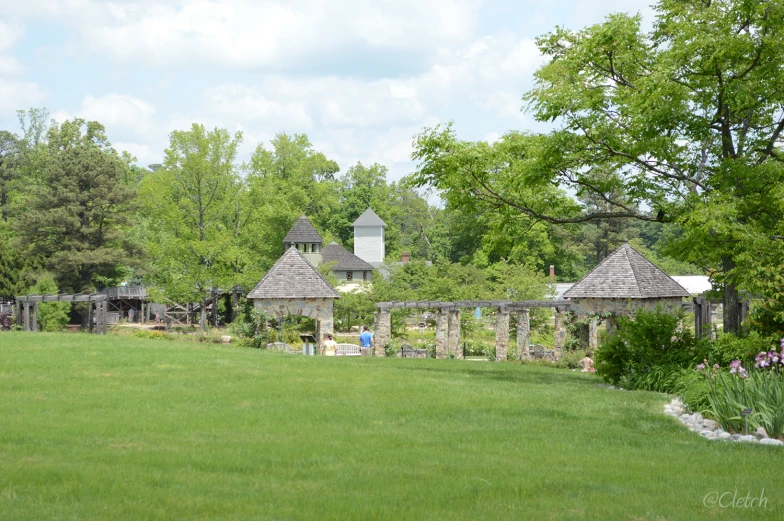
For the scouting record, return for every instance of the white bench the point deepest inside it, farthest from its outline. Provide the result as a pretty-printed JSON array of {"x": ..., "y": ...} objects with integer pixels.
[
  {"x": 279, "y": 346},
  {"x": 348, "y": 350}
]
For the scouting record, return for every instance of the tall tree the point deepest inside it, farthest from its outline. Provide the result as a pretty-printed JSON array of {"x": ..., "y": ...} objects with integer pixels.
[
  {"x": 190, "y": 207},
  {"x": 688, "y": 116},
  {"x": 74, "y": 216}
]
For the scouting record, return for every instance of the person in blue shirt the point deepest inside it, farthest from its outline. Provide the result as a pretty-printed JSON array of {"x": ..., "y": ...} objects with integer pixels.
[{"x": 366, "y": 338}]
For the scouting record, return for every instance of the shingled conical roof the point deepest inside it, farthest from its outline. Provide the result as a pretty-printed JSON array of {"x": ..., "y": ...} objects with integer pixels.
[
  {"x": 369, "y": 218},
  {"x": 626, "y": 274},
  {"x": 344, "y": 259},
  {"x": 293, "y": 277},
  {"x": 303, "y": 232}
]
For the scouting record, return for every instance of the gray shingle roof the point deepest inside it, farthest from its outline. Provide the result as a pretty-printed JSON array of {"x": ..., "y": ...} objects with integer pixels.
[
  {"x": 303, "y": 232},
  {"x": 369, "y": 218},
  {"x": 293, "y": 277},
  {"x": 626, "y": 274},
  {"x": 346, "y": 261}
]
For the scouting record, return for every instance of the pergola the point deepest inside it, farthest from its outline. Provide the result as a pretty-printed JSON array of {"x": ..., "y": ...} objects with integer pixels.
[
  {"x": 448, "y": 324},
  {"x": 27, "y": 309}
]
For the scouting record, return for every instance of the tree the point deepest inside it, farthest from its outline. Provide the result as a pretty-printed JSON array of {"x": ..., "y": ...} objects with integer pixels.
[
  {"x": 74, "y": 217},
  {"x": 193, "y": 220},
  {"x": 688, "y": 117},
  {"x": 9, "y": 171},
  {"x": 52, "y": 316}
]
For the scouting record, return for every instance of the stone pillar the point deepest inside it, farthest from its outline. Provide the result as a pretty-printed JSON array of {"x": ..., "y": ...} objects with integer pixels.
[
  {"x": 560, "y": 331},
  {"x": 383, "y": 331},
  {"x": 593, "y": 334},
  {"x": 203, "y": 315},
  {"x": 524, "y": 334},
  {"x": 713, "y": 321},
  {"x": 702, "y": 317},
  {"x": 324, "y": 327},
  {"x": 454, "y": 334},
  {"x": 35, "y": 317},
  {"x": 442, "y": 333},
  {"x": 501, "y": 334},
  {"x": 26, "y": 316}
]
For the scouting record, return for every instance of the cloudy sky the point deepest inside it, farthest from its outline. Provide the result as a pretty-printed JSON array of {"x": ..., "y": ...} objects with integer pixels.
[{"x": 359, "y": 77}]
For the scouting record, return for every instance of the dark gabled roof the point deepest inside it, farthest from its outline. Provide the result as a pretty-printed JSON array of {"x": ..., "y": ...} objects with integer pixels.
[
  {"x": 293, "y": 277},
  {"x": 369, "y": 218},
  {"x": 303, "y": 232},
  {"x": 626, "y": 274},
  {"x": 344, "y": 259}
]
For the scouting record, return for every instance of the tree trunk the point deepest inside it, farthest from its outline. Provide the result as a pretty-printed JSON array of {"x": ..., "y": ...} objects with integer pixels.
[{"x": 732, "y": 307}]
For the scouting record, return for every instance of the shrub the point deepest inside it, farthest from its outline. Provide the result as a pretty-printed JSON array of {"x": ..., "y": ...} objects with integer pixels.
[
  {"x": 728, "y": 347},
  {"x": 52, "y": 316},
  {"x": 647, "y": 340}
]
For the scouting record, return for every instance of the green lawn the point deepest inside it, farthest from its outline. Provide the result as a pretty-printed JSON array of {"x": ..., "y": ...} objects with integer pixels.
[{"x": 115, "y": 428}]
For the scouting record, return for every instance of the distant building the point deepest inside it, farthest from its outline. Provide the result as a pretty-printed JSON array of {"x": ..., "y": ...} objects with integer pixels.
[
  {"x": 369, "y": 238},
  {"x": 348, "y": 267},
  {"x": 306, "y": 239}
]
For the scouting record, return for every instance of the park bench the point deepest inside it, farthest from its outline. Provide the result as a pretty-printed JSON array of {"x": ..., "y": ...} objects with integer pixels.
[
  {"x": 279, "y": 346},
  {"x": 408, "y": 351},
  {"x": 540, "y": 353},
  {"x": 348, "y": 350}
]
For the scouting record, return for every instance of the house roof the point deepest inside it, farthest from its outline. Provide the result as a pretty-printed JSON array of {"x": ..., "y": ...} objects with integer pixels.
[
  {"x": 345, "y": 260},
  {"x": 626, "y": 274},
  {"x": 303, "y": 232},
  {"x": 369, "y": 218},
  {"x": 293, "y": 277}
]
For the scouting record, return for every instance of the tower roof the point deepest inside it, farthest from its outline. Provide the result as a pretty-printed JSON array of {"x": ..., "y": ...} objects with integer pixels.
[
  {"x": 303, "y": 232},
  {"x": 626, "y": 274},
  {"x": 346, "y": 261},
  {"x": 293, "y": 277},
  {"x": 369, "y": 218}
]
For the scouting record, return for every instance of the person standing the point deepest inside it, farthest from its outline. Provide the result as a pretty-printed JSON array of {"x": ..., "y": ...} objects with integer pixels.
[
  {"x": 330, "y": 347},
  {"x": 366, "y": 339}
]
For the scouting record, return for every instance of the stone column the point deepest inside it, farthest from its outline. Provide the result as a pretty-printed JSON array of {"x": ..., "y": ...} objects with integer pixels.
[
  {"x": 524, "y": 334},
  {"x": 714, "y": 319},
  {"x": 203, "y": 315},
  {"x": 35, "y": 316},
  {"x": 383, "y": 331},
  {"x": 560, "y": 331},
  {"x": 27, "y": 316},
  {"x": 324, "y": 326},
  {"x": 454, "y": 334},
  {"x": 501, "y": 334},
  {"x": 442, "y": 333},
  {"x": 90, "y": 315},
  {"x": 593, "y": 334}
]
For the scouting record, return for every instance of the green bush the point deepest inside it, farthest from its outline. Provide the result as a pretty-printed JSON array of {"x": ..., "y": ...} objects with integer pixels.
[
  {"x": 693, "y": 387},
  {"x": 648, "y": 340},
  {"x": 52, "y": 316},
  {"x": 728, "y": 347}
]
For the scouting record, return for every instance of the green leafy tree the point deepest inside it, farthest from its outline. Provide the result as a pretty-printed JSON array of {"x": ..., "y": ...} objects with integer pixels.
[
  {"x": 194, "y": 215},
  {"x": 689, "y": 117},
  {"x": 52, "y": 316},
  {"x": 74, "y": 217}
]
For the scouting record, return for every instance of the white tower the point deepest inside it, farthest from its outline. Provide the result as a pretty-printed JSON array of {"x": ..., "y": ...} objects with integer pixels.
[{"x": 369, "y": 238}]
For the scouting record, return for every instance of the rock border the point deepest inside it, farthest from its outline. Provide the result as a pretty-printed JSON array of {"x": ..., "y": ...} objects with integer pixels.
[{"x": 710, "y": 429}]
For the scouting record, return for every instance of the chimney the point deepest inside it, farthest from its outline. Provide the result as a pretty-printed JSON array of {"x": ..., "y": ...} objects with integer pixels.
[
  {"x": 552, "y": 272},
  {"x": 405, "y": 257}
]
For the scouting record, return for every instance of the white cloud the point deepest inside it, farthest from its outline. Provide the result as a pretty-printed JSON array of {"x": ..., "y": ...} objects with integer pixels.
[
  {"x": 15, "y": 94},
  {"x": 255, "y": 33},
  {"x": 120, "y": 113},
  {"x": 10, "y": 33},
  {"x": 249, "y": 104}
]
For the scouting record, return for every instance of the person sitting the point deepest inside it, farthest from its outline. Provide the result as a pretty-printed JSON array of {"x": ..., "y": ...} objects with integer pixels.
[
  {"x": 330, "y": 347},
  {"x": 587, "y": 364}
]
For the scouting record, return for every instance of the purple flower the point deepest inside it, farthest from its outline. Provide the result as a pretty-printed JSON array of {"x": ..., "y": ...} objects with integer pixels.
[
  {"x": 737, "y": 368},
  {"x": 700, "y": 367}
]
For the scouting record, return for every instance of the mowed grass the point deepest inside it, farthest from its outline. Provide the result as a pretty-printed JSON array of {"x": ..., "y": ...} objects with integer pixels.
[{"x": 118, "y": 428}]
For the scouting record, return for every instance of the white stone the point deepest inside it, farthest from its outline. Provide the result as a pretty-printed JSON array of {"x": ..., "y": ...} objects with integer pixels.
[
  {"x": 710, "y": 424},
  {"x": 724, "y": 436},
  {"x": 762, "y": 433},
  {"x": 770, "y": 441},
  {"x": 748, "y": 438}
]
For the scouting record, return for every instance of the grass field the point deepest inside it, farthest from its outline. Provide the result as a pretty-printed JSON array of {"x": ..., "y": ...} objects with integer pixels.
[{"x": 111, "y": 428}]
